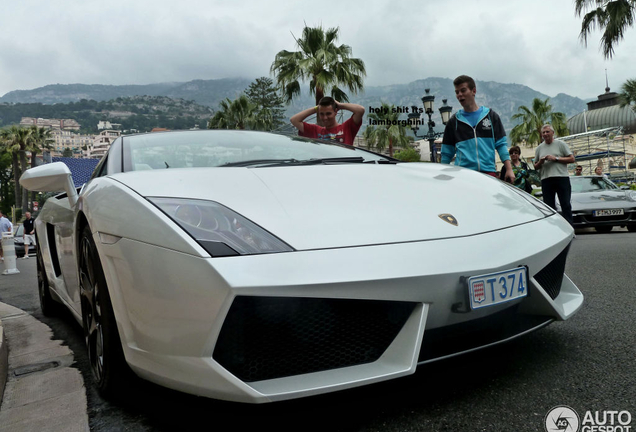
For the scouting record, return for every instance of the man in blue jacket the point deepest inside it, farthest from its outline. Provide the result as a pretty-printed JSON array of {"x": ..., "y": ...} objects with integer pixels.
[{"x": 474, "y": 133}]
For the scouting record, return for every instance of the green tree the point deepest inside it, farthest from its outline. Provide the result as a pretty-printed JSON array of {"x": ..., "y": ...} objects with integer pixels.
[
  {"x": 240, "y": 113},
  {"x": 16, "y": 140},
  {"x": 326, "y": 66},
  {"x": 40, "y": 139},
  {"x": 612, "y": 17},
  {"x": 7, "y": 195},
  {"x": 269, "y": 103},
  {"x": 67, "y": 152},
  {"x": 408, "y": 155},
  {"x": 385, "y": 130},
  {"x": 532, "y": 119},
  {"x": 628, "y": 94}
]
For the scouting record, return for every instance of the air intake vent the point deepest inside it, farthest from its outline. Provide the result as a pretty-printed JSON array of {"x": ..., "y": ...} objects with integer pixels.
[
  {"x": 551, "y": 276},
  {"x": 273, "y": 337}
]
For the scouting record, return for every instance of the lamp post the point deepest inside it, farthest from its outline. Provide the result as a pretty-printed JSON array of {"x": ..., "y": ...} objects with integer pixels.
[{"x": 445, "y": 111}]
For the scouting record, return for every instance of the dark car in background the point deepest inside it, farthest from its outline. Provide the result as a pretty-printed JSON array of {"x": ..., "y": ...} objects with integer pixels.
[
  {"x": 18, "y": 241},
  {"x": 599, "y": 203}
]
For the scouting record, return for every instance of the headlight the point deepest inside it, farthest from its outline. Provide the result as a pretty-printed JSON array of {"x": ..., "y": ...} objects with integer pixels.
[
  {"x": 221, "y": 231},
  {"x": 631, "y": 195}
]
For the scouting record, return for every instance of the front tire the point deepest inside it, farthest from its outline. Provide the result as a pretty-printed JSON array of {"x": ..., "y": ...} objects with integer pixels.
[
  {"x": 631, "y": 228},
  {"x": 48, "y": 306},
  {"x": 105, "y": 351}
]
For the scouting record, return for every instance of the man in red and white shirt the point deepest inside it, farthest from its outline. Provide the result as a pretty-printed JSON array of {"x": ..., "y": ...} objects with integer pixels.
[{"x": 327, "y": 109}]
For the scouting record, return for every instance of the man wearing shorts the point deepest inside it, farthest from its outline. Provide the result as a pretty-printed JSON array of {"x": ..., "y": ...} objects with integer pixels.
[{"x": 29, "y": 234}]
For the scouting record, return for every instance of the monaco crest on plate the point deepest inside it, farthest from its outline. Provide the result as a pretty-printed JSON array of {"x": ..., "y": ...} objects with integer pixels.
[{"x": 479, "y": 291}]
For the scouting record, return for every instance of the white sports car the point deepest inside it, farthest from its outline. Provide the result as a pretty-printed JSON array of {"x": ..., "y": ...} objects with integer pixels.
[{"x": 254, "y": 267}]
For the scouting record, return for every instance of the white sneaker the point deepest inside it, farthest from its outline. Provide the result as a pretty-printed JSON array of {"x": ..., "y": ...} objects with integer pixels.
[{"x": 25, "y": 257}]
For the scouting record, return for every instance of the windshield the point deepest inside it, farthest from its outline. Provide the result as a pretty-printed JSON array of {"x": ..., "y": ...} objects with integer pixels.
[
  {"x": 591, "y": 184},
  {"x": 192, "y": 149}
]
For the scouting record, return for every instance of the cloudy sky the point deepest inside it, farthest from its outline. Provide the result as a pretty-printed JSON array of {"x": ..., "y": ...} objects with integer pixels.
[{"x": 534, "y": 43}]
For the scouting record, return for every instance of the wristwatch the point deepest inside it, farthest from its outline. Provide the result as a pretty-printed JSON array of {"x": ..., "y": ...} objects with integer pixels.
[{"x": 557, "y": 159}]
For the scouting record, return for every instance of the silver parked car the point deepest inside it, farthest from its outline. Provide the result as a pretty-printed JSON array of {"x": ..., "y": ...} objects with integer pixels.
[
  {"x": 599, "y": 203},
  {"x": 18, "y": 241}
]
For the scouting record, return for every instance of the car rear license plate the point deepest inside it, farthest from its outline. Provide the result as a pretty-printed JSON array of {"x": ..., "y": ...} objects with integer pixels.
[
  {"x": 496, "y": 288},
  {"x": 609, "y": 212}
]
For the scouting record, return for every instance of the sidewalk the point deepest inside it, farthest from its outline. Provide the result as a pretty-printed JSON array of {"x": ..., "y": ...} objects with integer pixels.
[{"x": 42, "y": 391}]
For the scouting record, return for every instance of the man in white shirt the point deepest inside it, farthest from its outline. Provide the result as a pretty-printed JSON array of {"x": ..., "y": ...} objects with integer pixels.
[
  {"x": 552, "y": 158},
  {"x": 5, "y": 226}
]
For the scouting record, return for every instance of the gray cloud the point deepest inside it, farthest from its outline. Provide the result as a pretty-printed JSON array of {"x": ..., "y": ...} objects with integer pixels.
[{"x": 140, "y": 42}]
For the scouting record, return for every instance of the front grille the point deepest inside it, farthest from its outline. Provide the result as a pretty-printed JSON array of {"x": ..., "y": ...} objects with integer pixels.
[
  {"x": 272, "y": 337},
  {"x": 551, "y": 276},
  {"x": 458, "y": 338}
]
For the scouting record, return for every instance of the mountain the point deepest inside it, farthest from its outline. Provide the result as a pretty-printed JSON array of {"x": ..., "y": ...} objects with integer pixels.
[
  {"x": 505, "y": 99},
  {"x": 204, "y": 92}
]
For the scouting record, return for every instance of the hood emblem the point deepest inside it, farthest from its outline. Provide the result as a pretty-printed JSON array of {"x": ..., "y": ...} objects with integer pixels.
[{"x": 446, "y": 217}]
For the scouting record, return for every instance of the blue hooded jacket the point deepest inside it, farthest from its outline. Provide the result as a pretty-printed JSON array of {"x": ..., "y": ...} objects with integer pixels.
[{"x": 474, "y": 147}]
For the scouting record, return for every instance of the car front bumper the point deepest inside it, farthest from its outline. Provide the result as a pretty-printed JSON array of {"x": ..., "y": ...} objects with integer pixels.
[
  {"x": 271, "y": 327},
  {"x": 586, "y": 219}
]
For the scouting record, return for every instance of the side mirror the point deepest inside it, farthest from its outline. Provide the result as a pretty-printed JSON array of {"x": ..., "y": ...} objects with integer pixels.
[{"x": 53, "y": 177}]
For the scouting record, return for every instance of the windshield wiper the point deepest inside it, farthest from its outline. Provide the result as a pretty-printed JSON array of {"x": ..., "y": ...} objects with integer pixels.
[
  {"x": 329, "y": 161},
  {"x": 295, "y": 162},
  {"x": 258, "y": 162}
]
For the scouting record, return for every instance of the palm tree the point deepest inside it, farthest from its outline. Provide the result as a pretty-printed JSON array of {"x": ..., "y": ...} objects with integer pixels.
[
  {"x": 628, "y": 94},
  {"x": 15, "y": 140},
  {"x": 39, "y": 139},
  {"x": 240, "y": 113},
  {"x": 612, "y": 17},
  {"x": 533, "y": 119},
  {"x": 326, "y": 65},
  {"x": 385, "y": 130}
]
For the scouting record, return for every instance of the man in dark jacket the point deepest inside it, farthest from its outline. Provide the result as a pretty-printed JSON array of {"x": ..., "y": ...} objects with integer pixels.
[{"x": 474, "y": 133}]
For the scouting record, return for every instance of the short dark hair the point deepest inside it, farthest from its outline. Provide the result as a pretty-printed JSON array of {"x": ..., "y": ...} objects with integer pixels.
[
  {"x": 328, "y": 101},
  {"x": 515, "y": 149},
  {"x": 579, "y": 166},
  {"x": 464, "y": 79}
]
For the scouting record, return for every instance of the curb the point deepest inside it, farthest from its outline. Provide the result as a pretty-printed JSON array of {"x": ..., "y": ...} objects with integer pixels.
[
  {"x": 4, "y": 362},
  {"x": 42, "y": 392}
]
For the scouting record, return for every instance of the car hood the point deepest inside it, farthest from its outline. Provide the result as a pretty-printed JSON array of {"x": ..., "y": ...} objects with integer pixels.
[
  {"x": 328, "y": 206},
  {"x": 601, "y": 200}
]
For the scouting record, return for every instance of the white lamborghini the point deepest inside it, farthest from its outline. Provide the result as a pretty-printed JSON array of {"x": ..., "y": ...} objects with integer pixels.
[{"x": 254, "y": 267}]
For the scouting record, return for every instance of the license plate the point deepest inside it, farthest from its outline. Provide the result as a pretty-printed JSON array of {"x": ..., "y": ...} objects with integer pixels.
[
  {"x": 496, "y": 288},
  {"x": 609, "y": 212}
]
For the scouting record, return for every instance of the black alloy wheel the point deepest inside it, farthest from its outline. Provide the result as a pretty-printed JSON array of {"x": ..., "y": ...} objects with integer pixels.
[
  {"x": 105, "y": 352},
  {"x": 47, "y": 304}
]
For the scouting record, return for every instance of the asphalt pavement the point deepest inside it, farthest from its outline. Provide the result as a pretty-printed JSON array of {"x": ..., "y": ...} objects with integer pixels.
[{"x": 40, "y": 390}]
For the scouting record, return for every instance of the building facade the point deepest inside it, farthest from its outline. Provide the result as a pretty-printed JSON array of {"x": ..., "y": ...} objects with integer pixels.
[
  {"x": 61, "y": 124},
  {"x": 101, "y": 143}
]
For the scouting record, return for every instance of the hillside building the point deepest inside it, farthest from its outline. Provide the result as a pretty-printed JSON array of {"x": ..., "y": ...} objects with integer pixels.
[
  {"x": 101, "y": 143},
  {"x": 61, "y": 124},
  {"x": 105, "y": 124},
  {"x": 66, "y": 139}
]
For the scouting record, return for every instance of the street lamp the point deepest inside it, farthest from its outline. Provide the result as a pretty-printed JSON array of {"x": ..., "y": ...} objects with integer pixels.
[{"x": 431, "y": 135}]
